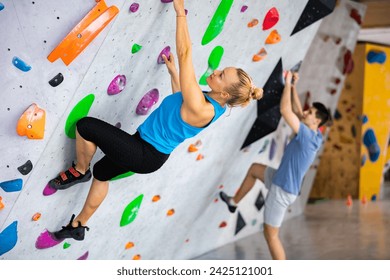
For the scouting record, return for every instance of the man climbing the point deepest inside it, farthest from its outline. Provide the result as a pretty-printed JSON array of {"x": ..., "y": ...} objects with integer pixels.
[{"x": 284, "y": 184}]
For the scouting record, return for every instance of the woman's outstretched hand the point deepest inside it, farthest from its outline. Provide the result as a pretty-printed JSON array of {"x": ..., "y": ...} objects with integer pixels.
[
  {"x": 170, "y": 63},
  {"x": 179, "y": 7}
]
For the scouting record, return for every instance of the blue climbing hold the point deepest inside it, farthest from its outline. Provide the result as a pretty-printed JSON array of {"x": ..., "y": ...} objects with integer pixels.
[
  {"x": 363, "y": 161},
  {"x": 371, "y": 143},
  {"x": 376, "y": 57},
  {"x": 363, "y": 118},
  {"x": 373, "y": 197},
  {"x": 1, "y": 6},
  {"x": 12, "y": 186},
  {"x": 337, "y": 115},
  {"x": 20, "y": 64},
  {"x": 8, "y": 238}
]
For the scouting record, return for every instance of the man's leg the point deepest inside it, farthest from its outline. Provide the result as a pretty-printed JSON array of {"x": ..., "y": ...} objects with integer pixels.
[
  {"x": 275, "y": 246},
  {"x": 256, "y": 171}
]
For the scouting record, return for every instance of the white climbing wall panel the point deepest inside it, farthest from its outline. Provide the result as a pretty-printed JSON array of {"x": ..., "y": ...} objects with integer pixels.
[{"x": 32, "y": 29}]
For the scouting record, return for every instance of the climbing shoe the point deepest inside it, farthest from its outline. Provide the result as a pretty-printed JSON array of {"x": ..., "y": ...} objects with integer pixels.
[
  {"x": 69, "y": 231},
  {"x": 227, "y": 199},
  {"x": 69, "y": 178}
]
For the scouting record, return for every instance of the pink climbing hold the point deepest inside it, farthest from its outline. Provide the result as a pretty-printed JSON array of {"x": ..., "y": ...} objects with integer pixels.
[
  {"x": 146, "y": 103},
  {"x": 271, "y": 18},
  {"x": 166, "y": 51},
  {"x": 134, "y": 7},
  {"x": 243, "y": 8},
  {"x": 46, "y": 240},
  {"x": 117, "y": 85},
  {"x": 48, "y": 190}
]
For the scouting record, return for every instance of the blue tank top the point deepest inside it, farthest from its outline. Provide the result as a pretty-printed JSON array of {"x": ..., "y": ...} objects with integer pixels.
[{"x": 165, "y": 129}]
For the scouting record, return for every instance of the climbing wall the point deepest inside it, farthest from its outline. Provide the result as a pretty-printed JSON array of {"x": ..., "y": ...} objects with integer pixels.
[
  {"x": 173, "y": 213},
  {"x": 338, "y": 171},
  {"x": 355, "y": 154},
  {"x": 376, "y": 119}
]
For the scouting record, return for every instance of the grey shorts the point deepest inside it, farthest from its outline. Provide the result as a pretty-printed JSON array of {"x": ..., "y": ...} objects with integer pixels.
[{"x": 277, "y": 200}]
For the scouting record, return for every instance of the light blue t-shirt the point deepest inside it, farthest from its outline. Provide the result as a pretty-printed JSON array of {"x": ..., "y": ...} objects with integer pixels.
[
  {"x": 297, "y": 158},
  {"x": 165, "y": 129}
]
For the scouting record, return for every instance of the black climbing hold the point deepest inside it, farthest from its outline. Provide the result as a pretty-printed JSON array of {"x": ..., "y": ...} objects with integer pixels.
[
  {"x": 259, "y": 201},
  {"x": 314, "y": 11},
  {"x": 268, "y": 108},
  {"x": 58, "y": 79},
  {"x": 240, "y": 223},
  {"x": 26, "y": 168}
]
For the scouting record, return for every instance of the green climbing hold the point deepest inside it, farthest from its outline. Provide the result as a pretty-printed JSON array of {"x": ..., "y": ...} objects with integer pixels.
[
  {"x": 78, "y": 112},
  {"x": 214, "y": 60},
  {"x": 66, "y": 245},
  {"x": 131, "y": 211},
  {"x": 124, "y": 175},
  {"x": 216, "y": 24},
  {"x": 136, "y": 48}
]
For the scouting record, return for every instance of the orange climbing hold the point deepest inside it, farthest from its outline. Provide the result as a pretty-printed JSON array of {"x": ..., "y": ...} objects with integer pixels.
[
  {"x": 364, "y": 199},
  {"x": 32, "y": 123},
  {"x": 129, "y": 245},
  {"x": 349, "y": 200},
  {"x": 253, "y": 23},
  {"x": 200, "y": 157},
  {"x": 170, "y": 212},
  {"x": 1, "y": 203},
  {"x": 36, "y": 216},
  {"x": 137, "y": 257},
  {"x": 156, "y": 198},
  {"x": 83, "y": 33},
  {"x": 192, "y": 148},
  {"x": 260, "y": 55},
  {"x": 273, "y": 37}
]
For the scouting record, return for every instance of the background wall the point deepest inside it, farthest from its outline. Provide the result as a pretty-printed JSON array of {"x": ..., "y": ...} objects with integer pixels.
[{"x": 200, "y": 221}]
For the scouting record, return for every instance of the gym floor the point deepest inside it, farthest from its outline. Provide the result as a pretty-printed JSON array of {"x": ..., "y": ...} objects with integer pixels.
[{"x": 328, "y": 230}]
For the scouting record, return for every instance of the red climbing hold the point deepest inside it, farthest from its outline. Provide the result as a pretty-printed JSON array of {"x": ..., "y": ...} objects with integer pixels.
[
  {"x": 348, "y": 63},
  {"x": 271, "y": 18},
  {"x": 356, "y": 16}
]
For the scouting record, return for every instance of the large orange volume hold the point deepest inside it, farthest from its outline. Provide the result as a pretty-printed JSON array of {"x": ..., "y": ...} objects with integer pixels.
[
  {"x": 83, "y": 33},
  {"x": 32, "y": 122}
]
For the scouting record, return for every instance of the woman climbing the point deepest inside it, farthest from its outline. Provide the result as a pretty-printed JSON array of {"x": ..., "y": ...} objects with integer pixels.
[{"x": 180, "y": 116}]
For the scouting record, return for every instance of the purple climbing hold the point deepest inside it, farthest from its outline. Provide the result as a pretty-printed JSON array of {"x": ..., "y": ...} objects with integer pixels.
[
  {"x": 12, "y": 186},
  {"x": 117, "y": 85},
  {"x": 48, "y": 190},
  {"x": 134, "y": 7},
  {"x": 46, "y": 240},
  {"x": 243, "y": 8},
  {"x": 166, "y": 1},
  {"x": 166, "y": 51},
  {"x": 118, "y": 125},
  {"x": 146, "y": 103},
  {"x": 85, "y": 256}
]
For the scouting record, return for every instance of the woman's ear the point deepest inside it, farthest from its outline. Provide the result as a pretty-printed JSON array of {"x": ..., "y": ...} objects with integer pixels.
[{"x": 224, "y": 94}]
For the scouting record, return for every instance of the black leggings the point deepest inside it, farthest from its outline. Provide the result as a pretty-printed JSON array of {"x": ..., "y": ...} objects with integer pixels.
[{"x": 123, "y": 152}]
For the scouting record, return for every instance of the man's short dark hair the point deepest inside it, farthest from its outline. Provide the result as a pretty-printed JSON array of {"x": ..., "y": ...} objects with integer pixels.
[{"x": 322, "y": 113}]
